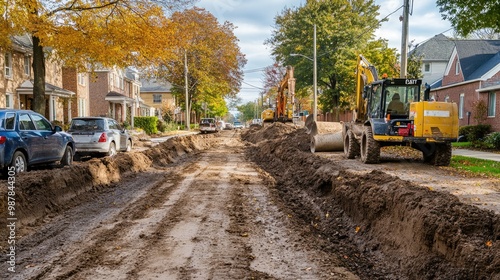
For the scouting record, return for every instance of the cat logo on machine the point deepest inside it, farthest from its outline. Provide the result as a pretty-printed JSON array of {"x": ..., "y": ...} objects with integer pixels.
[{"x": 411, "y": 82}]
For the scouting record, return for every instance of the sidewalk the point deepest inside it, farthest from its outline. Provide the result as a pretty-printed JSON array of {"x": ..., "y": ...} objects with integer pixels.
[{"x": 476, "y": 154}]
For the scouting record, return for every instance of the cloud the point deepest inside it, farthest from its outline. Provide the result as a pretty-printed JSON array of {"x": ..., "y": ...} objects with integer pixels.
[{"x": 254, "y": 21}]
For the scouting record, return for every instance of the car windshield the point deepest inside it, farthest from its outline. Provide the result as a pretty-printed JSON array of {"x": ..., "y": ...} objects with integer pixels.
[
  {"x": 207, "y": 121},
  {"x": 87, "y": 124}
]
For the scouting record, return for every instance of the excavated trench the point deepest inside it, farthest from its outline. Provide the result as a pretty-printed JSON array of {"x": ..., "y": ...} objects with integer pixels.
[{"x": 398, "y": 228}]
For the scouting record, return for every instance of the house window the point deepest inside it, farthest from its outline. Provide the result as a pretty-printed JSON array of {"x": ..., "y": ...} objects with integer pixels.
[
  {"x": 156, "y": 98},
  {"x": 492, "y": 100},
  {"x": 461, "y": 107},
  {"x": 427, "y": 67},
  {"x": 8, "y": 65},
  {"x": 8, "y": 101},
  {"x": 27, "y": 65},
  {"x": 81, "y": 79},
  {"x": 457, "y": 67},
  {"x": 81, "y": 107}
]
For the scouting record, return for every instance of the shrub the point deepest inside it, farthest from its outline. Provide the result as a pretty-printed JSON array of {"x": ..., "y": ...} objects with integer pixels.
[
  {"x": 493, "y": 140},
  {"x": 475, "y": 132},
  {"x": 161, "y": 126},
  {"x": 148, "y": 124}
]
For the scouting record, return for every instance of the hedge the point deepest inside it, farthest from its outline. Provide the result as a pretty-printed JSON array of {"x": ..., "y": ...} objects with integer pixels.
[
  {"x": 475, "y": 132},
  {"x": 148, "y": 124}
]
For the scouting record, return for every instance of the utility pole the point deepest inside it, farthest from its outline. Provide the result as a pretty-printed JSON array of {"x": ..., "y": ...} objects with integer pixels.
[
  {"x": 315, "y": 78},
  {"x": 404, "y": 39},
  {"x": 186, "y": 89}
]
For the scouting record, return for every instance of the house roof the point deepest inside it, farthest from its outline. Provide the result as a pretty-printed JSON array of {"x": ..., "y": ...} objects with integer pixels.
[
  {"x": 477, "y": 57},
  {"x": 437, "y": 48},
  {"x": 27, "y": 88},
  {"x": 155, "y": 86}
]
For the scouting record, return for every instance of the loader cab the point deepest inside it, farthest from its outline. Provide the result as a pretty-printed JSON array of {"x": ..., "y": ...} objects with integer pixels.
[{"x": 392, "y": 97}]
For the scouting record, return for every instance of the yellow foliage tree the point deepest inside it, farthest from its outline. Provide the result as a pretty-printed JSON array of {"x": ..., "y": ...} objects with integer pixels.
[
  {"x": 88, "y": 33},
  {"x": 208, "y": 56}
]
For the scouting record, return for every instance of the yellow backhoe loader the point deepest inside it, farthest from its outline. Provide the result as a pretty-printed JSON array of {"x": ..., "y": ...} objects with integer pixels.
[{"x": 393, "y": 112}]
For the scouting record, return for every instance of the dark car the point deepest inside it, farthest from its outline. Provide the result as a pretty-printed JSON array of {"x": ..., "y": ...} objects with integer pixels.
[
  {"x": 99, "y": 135},
  {"x": 27, "y": 138}
]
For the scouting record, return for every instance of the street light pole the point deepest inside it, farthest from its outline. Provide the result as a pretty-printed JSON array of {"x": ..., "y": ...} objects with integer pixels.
[{"x": 186, "y": 89}]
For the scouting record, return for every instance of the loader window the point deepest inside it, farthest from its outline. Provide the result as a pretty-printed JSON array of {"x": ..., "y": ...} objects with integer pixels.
[
  {"x": 375, "y": 101},
  {"x": 398, "y": 99}
]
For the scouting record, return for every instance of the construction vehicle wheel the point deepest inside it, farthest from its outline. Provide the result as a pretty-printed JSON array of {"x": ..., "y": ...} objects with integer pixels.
[
  {"x": 351, "y": 146},
  {"x": 370, "y": 149},
  {"x": 441, "y": 155}
]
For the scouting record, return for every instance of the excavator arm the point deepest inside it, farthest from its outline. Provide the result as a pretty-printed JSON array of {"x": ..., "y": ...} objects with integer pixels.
[
  {"x": 286, "y": 91},
  {"x": 365, "y": 75}
]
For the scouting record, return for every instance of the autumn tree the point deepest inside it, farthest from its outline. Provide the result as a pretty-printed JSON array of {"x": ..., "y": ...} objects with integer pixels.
[
  {"x": 87, "y": 33},
  {"x": 343, "y": 30},
  {"x": 467, "y": 16},
  {"x": 272, "y": 76},
  {"x": 247, "y": 111},
  {"x": 207, "y": 55}
]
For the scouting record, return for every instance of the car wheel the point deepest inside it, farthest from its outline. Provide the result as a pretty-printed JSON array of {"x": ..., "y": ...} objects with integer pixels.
[
  {"x": 19, "y": 162},
  {"x": 129, "y": 146},
  {"x": 112, "y": 149},
  {"x": 67, "y": 158}
]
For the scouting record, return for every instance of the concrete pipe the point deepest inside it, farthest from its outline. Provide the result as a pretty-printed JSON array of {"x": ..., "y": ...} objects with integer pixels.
[
  {"x": 325, "y": 127},
  {"x": 327, "y": 142}
]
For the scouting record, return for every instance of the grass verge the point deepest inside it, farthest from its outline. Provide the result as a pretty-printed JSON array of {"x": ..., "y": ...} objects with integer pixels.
[{"x": 476, "y": 166}]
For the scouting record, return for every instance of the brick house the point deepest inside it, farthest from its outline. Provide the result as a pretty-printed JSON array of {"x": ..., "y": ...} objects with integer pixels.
[
  {"x": 16, "y": 87},
  {"x": 115, "y": 93},
  {"x": 79, "y": 84},
  {"x": 472, "y": 74}
]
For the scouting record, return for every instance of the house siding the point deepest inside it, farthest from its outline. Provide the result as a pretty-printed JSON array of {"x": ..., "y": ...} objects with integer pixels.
[
  {"x": 70, "y": 82},
  {"x": 451, "y": 77},
  {"x": 98, "y": 89}
]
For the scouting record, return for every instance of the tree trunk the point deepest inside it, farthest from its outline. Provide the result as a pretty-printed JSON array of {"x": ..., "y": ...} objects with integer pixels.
[{"x": 38, "y": 103}]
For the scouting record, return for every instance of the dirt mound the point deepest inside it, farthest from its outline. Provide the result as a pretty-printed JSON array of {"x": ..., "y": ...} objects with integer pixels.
[
  {"x": 296, "y": 137},
  {"x": 46, "y": 192},
  {"x": 401, "y": 230}
]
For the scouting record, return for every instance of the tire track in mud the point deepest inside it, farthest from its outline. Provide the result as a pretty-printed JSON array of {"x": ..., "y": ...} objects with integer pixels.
[
  {"x": 122, "y": 242},
  {"x": 83, "y": 240}
]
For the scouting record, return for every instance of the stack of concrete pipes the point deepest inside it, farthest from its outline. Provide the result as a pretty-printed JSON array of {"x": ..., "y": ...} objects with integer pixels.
[{"x": 325, "y": 136}]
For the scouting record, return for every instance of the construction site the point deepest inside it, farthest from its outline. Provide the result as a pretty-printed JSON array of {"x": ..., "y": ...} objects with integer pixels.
[{"x": 253, "y": 204}]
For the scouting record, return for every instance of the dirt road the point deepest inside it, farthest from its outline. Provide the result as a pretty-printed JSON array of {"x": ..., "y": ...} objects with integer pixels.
[
  {"x": 216, "y": 207},
  {"x": 208, "y": 216}
]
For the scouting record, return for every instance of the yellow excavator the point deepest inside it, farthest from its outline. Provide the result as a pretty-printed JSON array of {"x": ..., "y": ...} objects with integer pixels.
[
  {"x": 284, "y": 100},
  {"x": 392, "y": 112}
]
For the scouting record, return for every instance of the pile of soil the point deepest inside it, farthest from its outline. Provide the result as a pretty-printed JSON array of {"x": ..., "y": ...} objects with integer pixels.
[
  {"x": 400, "y": 229},
  {"x": 40, "y": 193}
]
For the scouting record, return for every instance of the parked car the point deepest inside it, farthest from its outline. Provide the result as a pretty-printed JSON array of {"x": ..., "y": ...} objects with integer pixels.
[
  {"x": 99, "y": 135},
  {"x": 229, "y": 126},
  {"x": 208, "y": 125},
  {"x": 237, "y": 125},
  {"x": 28, "y": 138}
]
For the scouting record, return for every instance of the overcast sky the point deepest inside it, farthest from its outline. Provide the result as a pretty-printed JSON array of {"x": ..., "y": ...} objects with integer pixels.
[{"x": 254, "y": 21}]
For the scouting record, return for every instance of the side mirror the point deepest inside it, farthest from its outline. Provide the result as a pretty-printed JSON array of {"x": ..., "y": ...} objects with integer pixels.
[{"x": 57, "y": 128}]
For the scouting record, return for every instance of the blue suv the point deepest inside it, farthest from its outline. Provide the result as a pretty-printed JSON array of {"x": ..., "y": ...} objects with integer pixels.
[{"x": 27, "y": 138}]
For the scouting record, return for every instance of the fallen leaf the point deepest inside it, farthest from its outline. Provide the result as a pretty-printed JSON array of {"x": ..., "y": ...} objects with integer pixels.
[{"x": 489, "y": 243}]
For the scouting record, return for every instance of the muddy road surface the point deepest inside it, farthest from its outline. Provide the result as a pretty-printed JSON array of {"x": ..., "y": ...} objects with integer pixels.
[
  {"x": 209, "y": 215},
  {"x": 249, "y": 205}
]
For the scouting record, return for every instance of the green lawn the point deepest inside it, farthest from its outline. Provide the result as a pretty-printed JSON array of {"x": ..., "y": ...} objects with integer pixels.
[{"x": 476, "y": 166}]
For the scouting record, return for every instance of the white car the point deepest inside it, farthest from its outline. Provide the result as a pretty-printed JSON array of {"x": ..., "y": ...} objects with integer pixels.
[{"x": 99, "y": 135}]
